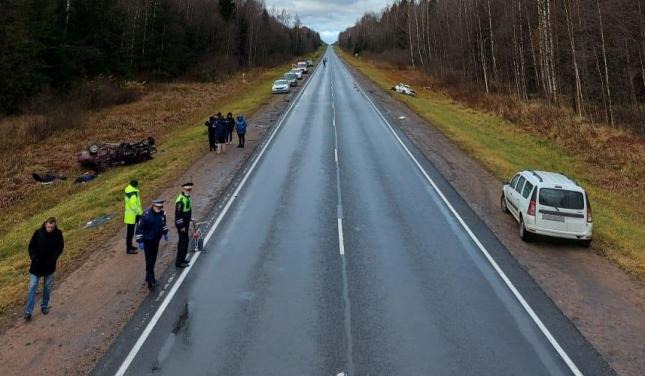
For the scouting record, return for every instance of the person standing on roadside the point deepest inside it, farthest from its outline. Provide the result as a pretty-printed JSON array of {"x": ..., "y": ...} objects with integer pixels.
[
  {"x": 45, "y": 248},
  {"x": 211, "y": 133},
  {"x": 221, "y": 130},
  {"x": 240, "y": 127},
  {"x": 183, "y": 215},
  {"x": 150, "y": 229},
  {"x": 230, "y": 127},
  {"x": 133, "y": 211}
]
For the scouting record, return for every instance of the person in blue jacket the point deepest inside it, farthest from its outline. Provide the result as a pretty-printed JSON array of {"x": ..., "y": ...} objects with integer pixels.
[
  {"x": 150, "y": 229},
  {"x": 240, "y": 127}
]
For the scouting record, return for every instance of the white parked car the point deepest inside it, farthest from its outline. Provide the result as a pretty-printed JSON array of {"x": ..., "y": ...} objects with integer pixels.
[
  {"x": 404, "y": 89},
  {"x": 280, "y": 86},
  {"x": 292, "y": 78},
  {"x": 297, "y": 72},
  {"x": 303, "y": 65},
  {"x": 548, "y": 203}
]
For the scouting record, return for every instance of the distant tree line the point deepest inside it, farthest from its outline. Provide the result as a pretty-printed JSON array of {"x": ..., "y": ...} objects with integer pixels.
[
  {"x": 587, "y": 54},
  {"x": 54, "y": 43}
]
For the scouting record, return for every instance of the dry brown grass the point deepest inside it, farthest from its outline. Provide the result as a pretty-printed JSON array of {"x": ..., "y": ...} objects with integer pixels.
[
  {"x": 27, "y": 148},
  {"x": 619, "y": 151}
]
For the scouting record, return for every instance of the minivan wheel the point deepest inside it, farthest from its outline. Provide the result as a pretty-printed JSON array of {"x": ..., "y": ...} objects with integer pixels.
[
  {"x": 524, "y": 235},
  {"x": 586, "y": 243},
  {"x": 503, "y": 204}
]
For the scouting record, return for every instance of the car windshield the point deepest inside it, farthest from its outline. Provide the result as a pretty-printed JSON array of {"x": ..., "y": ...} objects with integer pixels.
[
  {"x": 281, "y": 82},
  {"x": 561, "y": 198}
]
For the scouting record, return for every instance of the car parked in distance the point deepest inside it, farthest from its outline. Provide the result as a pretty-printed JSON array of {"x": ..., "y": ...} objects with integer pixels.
[
  {"x": 280, "y": 86},
  {"x": 303, "y": 66},
  {"x": 291, "y": 78},
  {"x": 550, "y": 204},
  {"x": 310, "y": 63},
  {"x": 297, "y": 72}
]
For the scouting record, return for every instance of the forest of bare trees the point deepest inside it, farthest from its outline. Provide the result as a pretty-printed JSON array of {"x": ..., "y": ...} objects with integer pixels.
[
  {"x": 52, "y": 44},
  {"x": 588, "y": 55}
]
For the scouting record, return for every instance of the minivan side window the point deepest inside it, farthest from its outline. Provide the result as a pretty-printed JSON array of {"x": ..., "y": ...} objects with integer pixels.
[
  {"x": 520, "y": 184},
  {"x": 514, "y": 180},
  {"x": 527, "y": 190}
]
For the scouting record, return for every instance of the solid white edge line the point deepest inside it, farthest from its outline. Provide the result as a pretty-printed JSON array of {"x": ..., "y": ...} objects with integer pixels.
[
  {"x": 565, "y": 357},
  {"x": 341, "y": 240},
  {"x": 336, "y": 155},
  {"x": 153, "y": 321}
]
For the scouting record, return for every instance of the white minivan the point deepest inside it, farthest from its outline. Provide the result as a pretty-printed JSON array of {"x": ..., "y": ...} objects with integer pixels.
[{"x": 550, "y": 204}]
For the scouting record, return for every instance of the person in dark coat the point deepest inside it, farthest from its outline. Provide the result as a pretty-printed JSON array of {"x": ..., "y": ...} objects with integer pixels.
[
  {"x": 183, "y": 216},
  {"x": 150, "y": 229},
  {"x": 230, "y": 127},
  {"x": 211, "y": 133},
  {"x": 240, "y": 127},
  {"x": 221, "y": 131},
  {"x": 45, "y": 248}
]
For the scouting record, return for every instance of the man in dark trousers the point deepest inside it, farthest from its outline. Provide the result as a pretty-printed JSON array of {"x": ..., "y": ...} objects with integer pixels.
[
  {"x": 240, "y": 126},
  {"x": 230, "y": 127},
  {"x": 211, "y": 134},
  {"x": 150, "y": 229},
  {"x": 183, "y": 214},
  {"x": 221, "y": 130},
  {"x": 45, "y": 247},
  {"x": 133, "y": 211}
]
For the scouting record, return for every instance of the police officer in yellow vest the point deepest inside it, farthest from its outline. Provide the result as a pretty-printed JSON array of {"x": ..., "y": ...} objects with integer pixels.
[
  {"x": 133, "y": 211},
  {"x": 183, "y": 213}
]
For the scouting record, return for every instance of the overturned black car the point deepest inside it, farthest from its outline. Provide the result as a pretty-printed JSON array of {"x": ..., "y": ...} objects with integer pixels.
[{"x": 99, "y": 157}]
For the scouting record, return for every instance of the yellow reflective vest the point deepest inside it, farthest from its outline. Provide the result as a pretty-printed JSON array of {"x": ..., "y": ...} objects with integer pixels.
[{"x": 132, "y": 205}]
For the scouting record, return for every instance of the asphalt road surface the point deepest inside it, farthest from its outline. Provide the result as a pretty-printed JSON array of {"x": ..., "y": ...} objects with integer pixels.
[{"x": 337, "y": 255}]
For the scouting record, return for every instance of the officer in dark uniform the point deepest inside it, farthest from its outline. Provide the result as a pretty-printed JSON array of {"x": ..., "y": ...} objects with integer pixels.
[
  {"x": 150, "y": 229},
  {"x": 183, "y": 214}
]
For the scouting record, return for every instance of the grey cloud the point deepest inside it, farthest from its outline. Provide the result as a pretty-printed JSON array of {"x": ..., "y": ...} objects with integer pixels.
[{"x": 329, "y": 17}]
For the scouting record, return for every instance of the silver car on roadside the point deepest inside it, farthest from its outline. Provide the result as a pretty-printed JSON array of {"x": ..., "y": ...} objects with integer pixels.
[
  {"x": 280, "y": 86},
  {"x": 292, "y": 78}
]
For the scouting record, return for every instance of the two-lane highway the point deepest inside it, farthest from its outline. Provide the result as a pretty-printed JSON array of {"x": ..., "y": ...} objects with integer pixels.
[{"x": 337, "y": 255}]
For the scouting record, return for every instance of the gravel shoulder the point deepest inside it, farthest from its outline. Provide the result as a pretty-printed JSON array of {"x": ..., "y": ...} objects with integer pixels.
[
  {"x": 92, "y": 305},
  {"x": 606, "y": 304}
]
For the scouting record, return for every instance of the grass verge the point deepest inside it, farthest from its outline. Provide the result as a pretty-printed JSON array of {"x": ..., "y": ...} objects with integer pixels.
[
  {"x": 505, "y": 148},
  {"x": 181, "y": 142}
]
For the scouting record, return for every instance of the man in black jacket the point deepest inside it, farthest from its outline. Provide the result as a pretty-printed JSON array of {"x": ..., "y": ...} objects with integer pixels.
[
  {"x": 183, "y": 215},
  {"x": 45, "y": 247},
  {"x": 212, "y": 139}
]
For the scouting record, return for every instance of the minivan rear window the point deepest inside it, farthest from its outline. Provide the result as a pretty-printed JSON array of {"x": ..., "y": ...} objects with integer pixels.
[{"x": 561, "y": 198}]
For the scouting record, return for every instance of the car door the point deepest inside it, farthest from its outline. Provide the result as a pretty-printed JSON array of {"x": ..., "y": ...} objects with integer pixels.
[
  {"x": 509, "y": 193},
  {"x": 517, "y": 196},
  {"x": 562, "y": 209}
]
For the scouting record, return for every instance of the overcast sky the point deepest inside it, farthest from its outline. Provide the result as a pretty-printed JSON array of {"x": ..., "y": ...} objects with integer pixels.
[{"x": 328, "y": 17}]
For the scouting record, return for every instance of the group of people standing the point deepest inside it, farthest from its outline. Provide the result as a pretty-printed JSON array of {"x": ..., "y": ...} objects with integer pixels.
[
  {"x": 149, "y": 227},
  {"x": 220, "y": 131}
]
